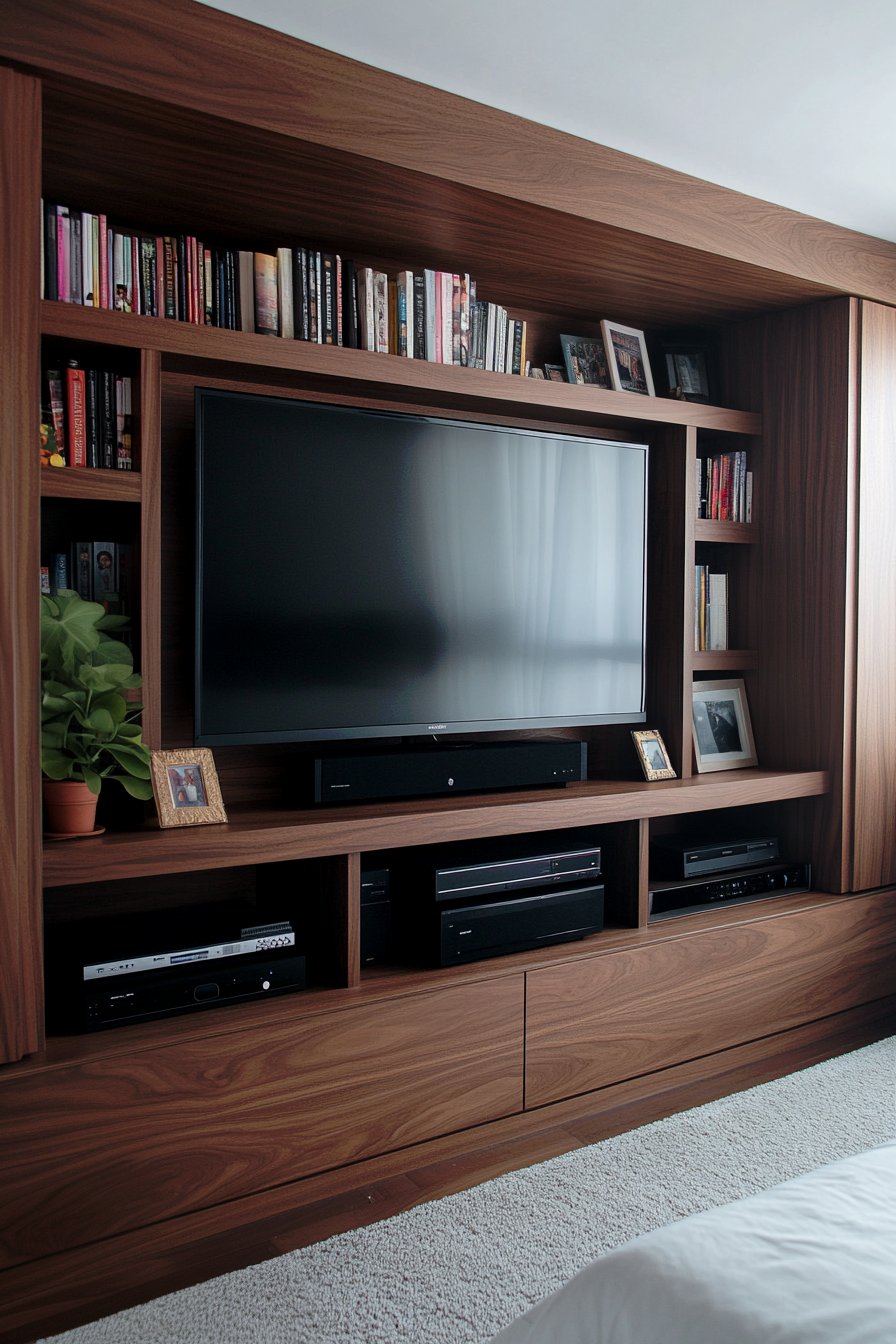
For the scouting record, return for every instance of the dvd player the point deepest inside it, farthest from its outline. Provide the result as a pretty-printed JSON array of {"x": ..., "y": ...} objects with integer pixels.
[
  {"x": 495, "y": 928},
  {"x": 483, "y": 879},
  {"x": 667, "y": 899},
  {"x": 691, "y": 858},
  {"x": 141, "y": 998}
]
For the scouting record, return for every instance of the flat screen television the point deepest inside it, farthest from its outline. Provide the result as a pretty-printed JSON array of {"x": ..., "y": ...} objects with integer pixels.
[{"x": 363, "y": 574}]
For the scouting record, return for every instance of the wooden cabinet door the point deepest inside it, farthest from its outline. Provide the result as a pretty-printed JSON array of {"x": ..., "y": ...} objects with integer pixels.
[
  {"x": 607, "y": 1018},
  {"x": 140, "y": 1136},
  {"x": 874, "y": 795}
]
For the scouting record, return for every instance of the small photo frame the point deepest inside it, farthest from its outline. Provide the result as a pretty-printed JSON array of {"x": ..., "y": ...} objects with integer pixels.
[
  {"x": 687, "y": 372},
  {"x": 627, "y": 358},
  {"x": 585, "y": 361},
  {"x": 652, "y": 754},
  {"x": 185, "y": 787},
  {"x": 555, "y": 373},
  {"x": 723, "y": 734}
]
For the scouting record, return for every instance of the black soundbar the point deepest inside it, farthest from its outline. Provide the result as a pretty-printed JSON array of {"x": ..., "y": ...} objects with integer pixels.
[{"x": 449, "y": 769}]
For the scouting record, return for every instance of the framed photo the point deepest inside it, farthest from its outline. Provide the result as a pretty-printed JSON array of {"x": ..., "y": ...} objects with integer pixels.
[
  {"x": 556, "y": 373},
  {"x": 185, "y": 787},
  {"x": 585, "y": 361},
  {"x": 723, "y": 734},
  {"x": 627, "y": 357},
  {"x": 653, "y": 754},
  {"x": 687, "y": 372}
]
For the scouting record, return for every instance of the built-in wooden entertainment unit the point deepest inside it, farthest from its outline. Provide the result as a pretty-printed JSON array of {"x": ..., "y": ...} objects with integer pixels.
[{"x": 136, "y": 1159}]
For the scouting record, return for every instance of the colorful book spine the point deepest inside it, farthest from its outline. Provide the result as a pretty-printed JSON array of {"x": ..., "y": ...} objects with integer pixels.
[{"x": 75, "y": 414}]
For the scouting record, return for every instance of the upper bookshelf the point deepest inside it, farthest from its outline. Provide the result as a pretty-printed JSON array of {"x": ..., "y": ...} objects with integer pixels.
[{"x": 185, "y": 347}]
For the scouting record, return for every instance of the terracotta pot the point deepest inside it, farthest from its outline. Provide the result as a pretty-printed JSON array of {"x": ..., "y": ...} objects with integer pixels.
[{"x": 69, "y": 807}]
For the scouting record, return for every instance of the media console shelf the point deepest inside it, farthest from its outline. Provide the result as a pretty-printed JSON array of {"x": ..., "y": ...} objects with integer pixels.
[{"x": 225, "y": 1120}]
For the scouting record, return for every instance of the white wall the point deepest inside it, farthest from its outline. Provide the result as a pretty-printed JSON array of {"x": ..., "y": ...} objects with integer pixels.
[{"x": 793, "y": 101}]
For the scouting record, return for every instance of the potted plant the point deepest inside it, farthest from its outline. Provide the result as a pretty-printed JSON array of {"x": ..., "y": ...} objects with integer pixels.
[{"x": 89, "y": 728}]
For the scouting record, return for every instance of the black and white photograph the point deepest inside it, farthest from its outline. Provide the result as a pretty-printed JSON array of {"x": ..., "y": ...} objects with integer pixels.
[
  {"x": 723, "y": 734},
  {"x": 687, "y": 372}
]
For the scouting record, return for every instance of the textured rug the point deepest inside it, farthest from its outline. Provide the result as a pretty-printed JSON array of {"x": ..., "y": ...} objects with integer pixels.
[{"x": 457, "y": 1270}]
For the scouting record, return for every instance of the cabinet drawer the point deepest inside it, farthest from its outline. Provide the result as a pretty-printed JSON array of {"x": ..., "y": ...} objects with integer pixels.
[
  {"x": 118, "y": 1143},
  {"x": 607, "y": 1018}
]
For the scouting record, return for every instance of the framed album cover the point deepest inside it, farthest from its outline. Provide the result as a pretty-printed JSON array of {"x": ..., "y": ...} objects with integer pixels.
[
  {"x": 585, "y": 360},
  {"x": 627, "y": 358},
  {"x": 185, "y": 787}
]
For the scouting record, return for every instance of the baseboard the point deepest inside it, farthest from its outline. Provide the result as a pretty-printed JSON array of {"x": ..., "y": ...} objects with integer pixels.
[{"x": 61, "y": 1291}]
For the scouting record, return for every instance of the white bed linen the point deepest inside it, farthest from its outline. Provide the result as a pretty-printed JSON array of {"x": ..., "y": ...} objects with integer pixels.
[{"x": 812, "y": 1261}]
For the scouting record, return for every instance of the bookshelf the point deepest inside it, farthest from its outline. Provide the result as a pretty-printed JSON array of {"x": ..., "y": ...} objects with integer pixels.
[{"x": 104, "y": 122}]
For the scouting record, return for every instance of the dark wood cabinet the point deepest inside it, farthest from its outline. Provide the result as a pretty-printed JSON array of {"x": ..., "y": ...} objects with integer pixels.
[{"x": 201, "y": 1117}]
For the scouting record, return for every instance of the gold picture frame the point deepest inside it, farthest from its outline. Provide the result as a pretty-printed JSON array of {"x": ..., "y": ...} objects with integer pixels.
[
  {"x": 185, "y": 787},
  {"x": 652, "y": 754}
]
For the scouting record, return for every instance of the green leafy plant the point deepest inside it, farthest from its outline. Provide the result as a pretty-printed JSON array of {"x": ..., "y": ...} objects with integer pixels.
[{"x": 89, "y": 728}]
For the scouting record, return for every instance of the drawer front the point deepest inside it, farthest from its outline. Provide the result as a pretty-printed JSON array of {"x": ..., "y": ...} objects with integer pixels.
[
  {"x": 608, "y": 1018},
  {"x": 93, "y": 1150}
]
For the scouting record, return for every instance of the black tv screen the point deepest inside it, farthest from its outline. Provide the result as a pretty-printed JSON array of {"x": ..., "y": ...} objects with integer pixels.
[{"x": 367, "y": 574}]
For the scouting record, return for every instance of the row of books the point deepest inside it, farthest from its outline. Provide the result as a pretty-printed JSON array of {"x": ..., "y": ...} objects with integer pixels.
[
  {"x": 710, "y": 610},
  {"x": 99, "y": 571},
  {"x": 86, "y": 418},
  {"x": 299, "y": 293},
  {"x": 725, "y": 488}
]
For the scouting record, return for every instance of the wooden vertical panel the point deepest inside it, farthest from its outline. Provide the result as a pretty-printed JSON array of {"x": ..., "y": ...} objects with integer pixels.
[
  {"x": 874, "y": 806},
  {"x": 670, "y": 591},
  {"x": 20, "y": 922},
  {"x": 150, "y": 463},
  {"x": 798, "y": 368}
]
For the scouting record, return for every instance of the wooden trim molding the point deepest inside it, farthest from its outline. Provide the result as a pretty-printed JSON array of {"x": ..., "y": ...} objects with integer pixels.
[{"x": 241, "y": 71}]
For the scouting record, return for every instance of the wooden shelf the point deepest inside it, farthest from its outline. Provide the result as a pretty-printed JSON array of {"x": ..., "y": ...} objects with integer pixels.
[
  {"x": 120, "y": 487},
  {"x": 185, "y": 347},
  {"x": 729, "y": 660},
  {"x": 732, "y": 534},
  {"x": 268, "y": 837}
]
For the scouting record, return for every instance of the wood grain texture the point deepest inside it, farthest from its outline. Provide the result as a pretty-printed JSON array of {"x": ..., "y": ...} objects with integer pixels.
[
  {"x": 136, "y": 1139},
  {"x": 244, "y": 73},
  {"x": 874, "y": 780},
  {"x": 147, "y": 435},
  {"x": 21, "y": 1016},
  {"x": 629, "y": 1013},
  {"x": 801, "y": 368},
  {"x": 74, "y": 1287},
  {"x": 268, "y": 837}
]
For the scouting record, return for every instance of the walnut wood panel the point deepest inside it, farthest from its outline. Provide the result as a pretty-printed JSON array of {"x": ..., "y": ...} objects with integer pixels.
[
  {"x": 73, "y": 483},
  {"x": 74, "y": 1287},
  {"x": 131, "y": 1140},
  {"x": 250, "y": 75},
  {"x": 670, "y": 591},
  {"x": 874, "y": 799},
  {"x": 269, "y": 836},
  {"x": 20, "y": 1013},
  {"x": 799, "y": 368},
  {"x": 629, "y": 1013},
  {"x": 148, "y": 435}
]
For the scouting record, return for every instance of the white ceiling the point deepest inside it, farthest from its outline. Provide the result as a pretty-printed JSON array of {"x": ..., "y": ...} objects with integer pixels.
[{"x": 792, "y": 101}]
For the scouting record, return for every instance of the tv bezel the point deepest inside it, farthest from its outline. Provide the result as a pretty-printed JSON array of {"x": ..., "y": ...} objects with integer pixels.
[{"x": 396, "y": 731}]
